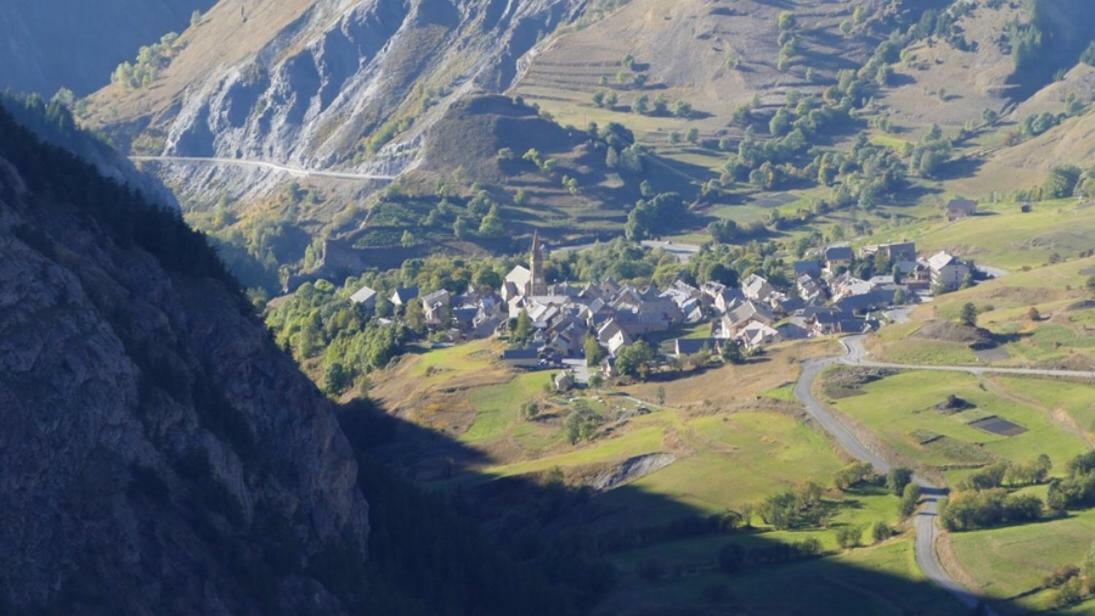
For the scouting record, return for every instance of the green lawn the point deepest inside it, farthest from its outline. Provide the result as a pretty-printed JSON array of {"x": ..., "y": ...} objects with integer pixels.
[
  {"x": 1065, "y": 333},
  {"x": 786, "y": 393}
]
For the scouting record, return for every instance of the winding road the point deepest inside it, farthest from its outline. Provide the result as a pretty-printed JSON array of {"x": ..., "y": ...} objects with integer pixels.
[
  {"x": 261, "y": 164},
  {"x": 925, "y": 523}
]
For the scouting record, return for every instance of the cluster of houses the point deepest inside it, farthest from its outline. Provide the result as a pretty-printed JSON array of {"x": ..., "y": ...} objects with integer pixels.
[{"x": 826, "y": 298}]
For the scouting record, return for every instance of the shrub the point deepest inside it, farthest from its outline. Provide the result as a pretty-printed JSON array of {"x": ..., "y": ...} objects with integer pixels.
[
  {"x": 855, "y": 474},
  {"x": 897, "y": 479},
  {"x": 1060, "y": 576},
  {"x": 881, "y": 531},
  {"x": 910, "y": 497},
  {"x": 987, "y": 508},
  {"x": 848, "y": 537}
]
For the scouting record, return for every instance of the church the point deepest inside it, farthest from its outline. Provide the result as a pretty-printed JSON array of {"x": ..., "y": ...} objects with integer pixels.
[{"x": 528, "y": 281}]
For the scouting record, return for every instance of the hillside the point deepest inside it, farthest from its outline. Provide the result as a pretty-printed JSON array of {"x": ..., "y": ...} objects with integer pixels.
[
  {"x": 161, "y": 454},
  {"x": 135, "y": 399},
  {"x": 310, "y": 82},
  {"x": 715, "y": 55},
  {"x": 53, "y": 44}
]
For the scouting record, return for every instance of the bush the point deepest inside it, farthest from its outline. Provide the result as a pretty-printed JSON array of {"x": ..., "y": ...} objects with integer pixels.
[
  {"x": 1060, "y": 576},
  {"x": 800, "y": 508},
  {"x": 1070, "y": 593},
  {"x": 855, "y": 474},
  {"x": 987, "y": 508},
  {"x": 881, "y": 531},
  {"x": 897, "y": 479},
  {"x": 989, "y": 477},
  {"x": 848, "y": 537},
  {"x": 910, "y": 497}
]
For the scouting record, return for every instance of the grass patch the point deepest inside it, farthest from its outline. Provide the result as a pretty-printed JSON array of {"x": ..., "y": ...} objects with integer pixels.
[
  {"x": 901, "y": 411},
  {"x": 1011, "y": 561}
]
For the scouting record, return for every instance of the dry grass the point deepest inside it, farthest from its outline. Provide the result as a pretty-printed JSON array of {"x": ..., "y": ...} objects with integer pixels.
[{"x": 732, "y": 387}]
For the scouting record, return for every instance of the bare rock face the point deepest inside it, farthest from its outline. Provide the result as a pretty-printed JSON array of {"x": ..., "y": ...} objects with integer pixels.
[
  {"x": 159, "y": 453},
  {"x": 315, "y": 88}
]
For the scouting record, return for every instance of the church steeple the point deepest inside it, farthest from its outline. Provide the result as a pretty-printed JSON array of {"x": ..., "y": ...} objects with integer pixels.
[{"x": 537, "y": 280}]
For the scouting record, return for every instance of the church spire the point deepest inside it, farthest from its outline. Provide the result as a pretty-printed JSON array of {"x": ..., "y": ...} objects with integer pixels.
[{"x": 537, "y": 280}]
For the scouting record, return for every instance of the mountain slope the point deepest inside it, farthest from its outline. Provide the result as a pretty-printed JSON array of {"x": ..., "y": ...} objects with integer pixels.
[
  {"x": 308, "y": 82},
  {"x": 160, "y": 451},
  {"x": 162, "y": 455},
  {"x": 49, "y": 44}
]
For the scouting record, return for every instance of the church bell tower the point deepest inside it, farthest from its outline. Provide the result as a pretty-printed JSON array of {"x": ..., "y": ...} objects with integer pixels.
[{"x": 537, "y": 280}]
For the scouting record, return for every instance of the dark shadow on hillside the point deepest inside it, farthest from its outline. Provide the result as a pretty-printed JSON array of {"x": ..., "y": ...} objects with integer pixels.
[
  {"x": 589, "y": 543},
  {"x": 961, "y": 167}
]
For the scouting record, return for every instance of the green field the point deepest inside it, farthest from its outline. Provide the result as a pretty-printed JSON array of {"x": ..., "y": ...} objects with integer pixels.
[
  {"x": 439, "y": 365},
  {"x": 735, "y": 460},
  {"x": 881, "y": 579},
  {"x": 498, "y": 406},
  {"x": 1012, "y": 561},
  {"x": 900, "y": 411},
  {"x": 1064, "y": 334},
  {"x": 1003, "y": 236},
  {"x": 1076, "y": 400}
]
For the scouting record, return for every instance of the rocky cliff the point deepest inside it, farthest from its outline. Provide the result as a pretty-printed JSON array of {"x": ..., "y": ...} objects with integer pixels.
[
  {"x": 160, "y": 454},
  {"x": 49, "y": 44},
  {"x": 313, "y": 83}
]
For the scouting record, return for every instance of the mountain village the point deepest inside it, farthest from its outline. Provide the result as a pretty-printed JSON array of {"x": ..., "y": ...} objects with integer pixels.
[{"x": 825, "y": 299}]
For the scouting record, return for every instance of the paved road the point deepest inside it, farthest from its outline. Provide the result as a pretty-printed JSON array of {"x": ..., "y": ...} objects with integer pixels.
[
  {"x": 260, "y": 164},
  {"x": 683, "y": 252},
  {"x": 856, "y": 355},
  {"x": 925, "y": 522}
]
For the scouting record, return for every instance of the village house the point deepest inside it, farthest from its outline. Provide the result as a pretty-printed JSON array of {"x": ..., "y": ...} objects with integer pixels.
[
  {"x": 896, "y": 252},
  {"x": 364, "y": 297},
  {"x": 528, "y": 357},
  {"x": 436, "y": 307},
  {"x": 400, "y": 297},
  {"x": 613, "y": 337},
  {"x": 810, "y": 290},
  {"x": 737, "y": 318},
  {"x": 948, "y": 272},
  {"x": 808, "y": 267},
  {"x": 957, "y": 209},
  {"x": 838, "y": 256},
  {"x": 756, "y": 334},
  {"x": 690, "y": 346}
]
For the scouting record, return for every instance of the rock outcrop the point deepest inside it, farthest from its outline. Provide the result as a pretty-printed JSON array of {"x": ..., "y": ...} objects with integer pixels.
[
  {"x": 315, "y": 83},
  {"x": 159, "y": 453}
]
